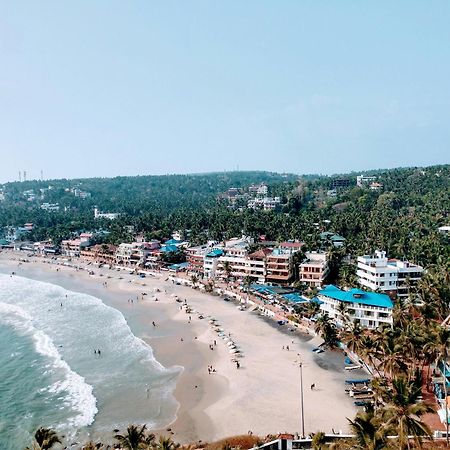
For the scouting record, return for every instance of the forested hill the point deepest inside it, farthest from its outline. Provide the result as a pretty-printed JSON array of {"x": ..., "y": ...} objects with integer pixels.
[
  {"x": 129, "y": 194},
  {"x": 401, "y": 217}
]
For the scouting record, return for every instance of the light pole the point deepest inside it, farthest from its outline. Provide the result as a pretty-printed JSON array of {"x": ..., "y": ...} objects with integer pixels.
[{"x": 301, "y": 400}]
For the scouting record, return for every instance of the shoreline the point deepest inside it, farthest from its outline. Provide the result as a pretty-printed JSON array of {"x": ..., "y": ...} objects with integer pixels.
[{"x": 261, "y": 396}]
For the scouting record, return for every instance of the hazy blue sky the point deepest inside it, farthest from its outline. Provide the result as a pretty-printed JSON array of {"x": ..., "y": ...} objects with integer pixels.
[{"x": 105, "y": 88}]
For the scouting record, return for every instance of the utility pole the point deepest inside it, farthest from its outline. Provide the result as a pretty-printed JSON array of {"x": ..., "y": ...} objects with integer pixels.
[{"x": 301, "y": 400}]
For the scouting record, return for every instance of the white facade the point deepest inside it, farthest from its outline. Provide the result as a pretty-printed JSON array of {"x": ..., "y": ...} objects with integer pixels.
[
  {"x": 266, "y": 203},
  {"x": 444, "y": 230},
  {"x": 369, "y": 309},
  {"x": 131, "y": 254},
  {"x": 377, "y": 272},
  {"x": 262, "y": 190},
  {"x": 362, "y": 180},
  {"x": 100, "y": 215},
  {"x": 50, "y": 206}
]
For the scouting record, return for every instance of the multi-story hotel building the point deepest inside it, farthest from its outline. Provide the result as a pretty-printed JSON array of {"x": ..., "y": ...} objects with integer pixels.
[
  {"x": 314, "y": 269},
  {"x": 369, "y": 309},
  {"x": 390, "y": 276}
]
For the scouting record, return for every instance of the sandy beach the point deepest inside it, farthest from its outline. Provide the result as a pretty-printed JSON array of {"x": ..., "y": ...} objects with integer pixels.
[{"x": 261, "y": 396}]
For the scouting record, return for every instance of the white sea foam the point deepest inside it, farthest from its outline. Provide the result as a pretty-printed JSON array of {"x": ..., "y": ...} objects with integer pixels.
[
  {"x": 82, "y": 323},
  {"x": 78, "y": 394}
]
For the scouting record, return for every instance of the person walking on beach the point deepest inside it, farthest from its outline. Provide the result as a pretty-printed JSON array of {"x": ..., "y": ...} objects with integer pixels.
[
  {"x": 154, "y": 324},
  {"x": 313, "y": 386}
]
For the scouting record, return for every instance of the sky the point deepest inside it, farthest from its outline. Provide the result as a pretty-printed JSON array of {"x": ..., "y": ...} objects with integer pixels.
[{"x": 107, "y": 88}]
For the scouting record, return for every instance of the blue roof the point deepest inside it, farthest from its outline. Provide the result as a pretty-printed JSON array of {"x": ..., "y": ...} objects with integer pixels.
[
  {"x": 179, "y": 266},
  {"x": 316, "y": 300},
  {"x": 357, "y": 296},
  {"x": 295, "y": 298},
  {"x": 214, "y": 253},
  {"x": 331, "y": 236},
  {"x": 173, "y": 242},
  {"x": 169, "y": 249}
]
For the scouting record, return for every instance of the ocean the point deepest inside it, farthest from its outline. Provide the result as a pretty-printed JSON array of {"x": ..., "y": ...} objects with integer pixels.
[{"x": 50, "y": 374}]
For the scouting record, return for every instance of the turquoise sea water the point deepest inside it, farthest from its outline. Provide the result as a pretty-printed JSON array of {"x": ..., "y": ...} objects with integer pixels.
[{"x": 50, "y": 375}]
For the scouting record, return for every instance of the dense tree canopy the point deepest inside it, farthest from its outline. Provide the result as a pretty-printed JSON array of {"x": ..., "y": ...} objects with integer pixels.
[{"x": 402, "y": 218}]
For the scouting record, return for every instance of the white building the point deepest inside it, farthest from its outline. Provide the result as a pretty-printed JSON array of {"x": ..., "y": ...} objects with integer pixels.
[
  {"x": 211, "y": 262},
  {"x": 362, "y": 180},
  {"x": 314, "y": 269},
  {"x": 258, "y": 189},
  {"x": 391, "y": 276},
  {"x": 50, "y": 206},
  {"x": 266, "y": 203},
  {"x": 73, "y": 247},
  {"x": 444, "y": 229},
  {"x": 134, "y": 254},
  {"x": 262, "y": 190},
  {"x": 100, "y": 215},
  {"x": 369, "y": 309}
]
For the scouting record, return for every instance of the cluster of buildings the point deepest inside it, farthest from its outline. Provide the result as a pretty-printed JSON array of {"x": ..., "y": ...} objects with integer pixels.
[
  {"x": 77, "y": 192},
  {"x": 234, "y": 259},
  {"x": 365, "y": 181},
  {"x": 362, "y": 181},
  {"x": 268, "y": 264},
  {"x": 384, "y": 280},
  {"x": 254, "y": 197}
]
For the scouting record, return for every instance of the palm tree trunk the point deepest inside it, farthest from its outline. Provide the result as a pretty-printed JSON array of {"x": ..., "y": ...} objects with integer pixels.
[{"x": 446, "y": 407}]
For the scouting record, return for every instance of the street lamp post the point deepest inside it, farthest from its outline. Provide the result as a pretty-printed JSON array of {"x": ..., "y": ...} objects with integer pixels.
[{"x": 301, "y": 400}]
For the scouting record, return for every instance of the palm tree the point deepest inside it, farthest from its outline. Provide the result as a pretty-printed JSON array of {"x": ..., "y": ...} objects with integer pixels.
[
  {"x": 45, "y": 439},
  {"x": 347, "y": 275},
  {"x": 194, "y": 280},
  {"x": 312, "y": 308},
  {"x": 327, "y": 329},
  {"x": 318, "y": 441},
  {"x": 390, "y": 353},
  {"x": 247, "y": 283},
  {"x": 135, "y": 438},
  {"x": 92, "y": 446},
  {"x": 368, "y": 431},
  {"x": 227, "y": 269},
  {"x": 403, "y": 411},
  {"x": 440, "y": 348},
  {"x": 166, "y": 443},
  {"x": 343, "y": 311}
]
